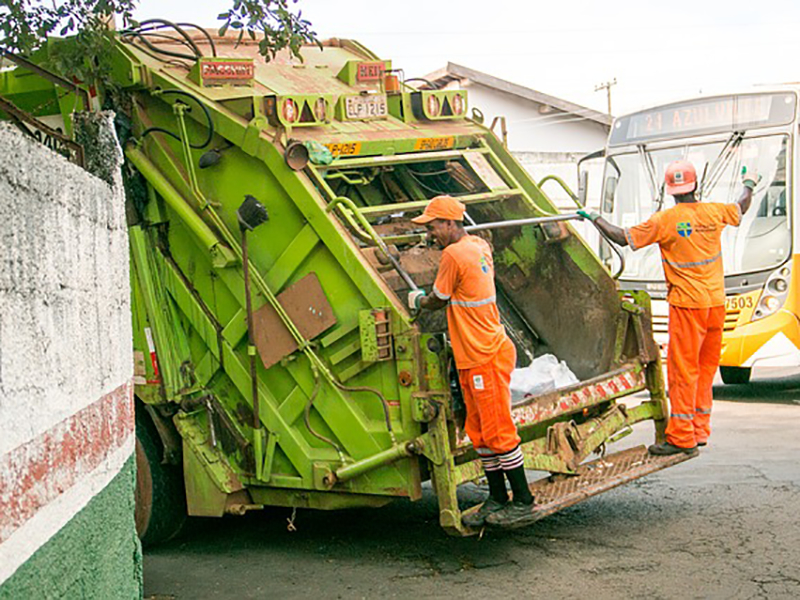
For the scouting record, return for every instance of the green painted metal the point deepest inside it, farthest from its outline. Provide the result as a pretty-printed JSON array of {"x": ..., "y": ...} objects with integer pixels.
[{"x": 362, "y": 412}]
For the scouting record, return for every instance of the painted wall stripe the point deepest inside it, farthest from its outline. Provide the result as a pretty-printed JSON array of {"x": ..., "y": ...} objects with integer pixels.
[
  {"x": 35, "y": 473},
  {"x": 37, "y": 531}
]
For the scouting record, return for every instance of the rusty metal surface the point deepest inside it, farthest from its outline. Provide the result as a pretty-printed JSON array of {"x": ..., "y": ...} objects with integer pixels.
[
  {"x": 560, "y": 288},
  {"x": 575, "y": 398},
  {"x": 561, "y": 491},
  {"x": 73, "y": 149},
  {"x": 534, "y": 410},
  {"x": 308, "y": 308}
]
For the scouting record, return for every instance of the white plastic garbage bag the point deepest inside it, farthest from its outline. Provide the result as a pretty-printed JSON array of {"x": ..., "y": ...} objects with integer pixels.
[{"x": 545, "y": 374}]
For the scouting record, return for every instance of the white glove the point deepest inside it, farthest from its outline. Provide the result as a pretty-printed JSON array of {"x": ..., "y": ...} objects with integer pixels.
[
  {"x": 415, "y": 298},
  {"x": 750, "y": 177}
]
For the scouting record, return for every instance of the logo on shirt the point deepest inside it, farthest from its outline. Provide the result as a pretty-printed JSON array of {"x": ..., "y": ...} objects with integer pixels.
[
  {"x": 477, "y": 382},
  {"x": 685, "y": 229},
  {"x": 484, "y": 264}
]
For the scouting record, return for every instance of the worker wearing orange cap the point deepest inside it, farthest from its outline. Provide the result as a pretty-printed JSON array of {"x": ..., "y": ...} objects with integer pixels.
[
  {"x": 484, "y": 356},
  {"x": 688, "y": 236}
]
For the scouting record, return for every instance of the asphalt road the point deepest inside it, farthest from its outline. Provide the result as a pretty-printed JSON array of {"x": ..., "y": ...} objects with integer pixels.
[{"x": 724, "y": 525}]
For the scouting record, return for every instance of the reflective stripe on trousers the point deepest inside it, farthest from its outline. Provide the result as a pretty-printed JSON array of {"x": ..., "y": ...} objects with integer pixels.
[{"x": 695, "y": 342}]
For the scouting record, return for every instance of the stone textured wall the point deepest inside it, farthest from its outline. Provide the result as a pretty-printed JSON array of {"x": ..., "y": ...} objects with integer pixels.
[{"x": 66, "y": 407}]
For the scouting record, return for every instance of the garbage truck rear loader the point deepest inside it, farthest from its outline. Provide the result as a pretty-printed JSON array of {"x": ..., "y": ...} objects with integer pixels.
[{"x": 276, "y": 361}]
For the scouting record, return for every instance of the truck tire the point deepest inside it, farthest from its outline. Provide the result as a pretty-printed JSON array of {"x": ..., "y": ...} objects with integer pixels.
[
  {"x": 735, "y": 375},
  {"x": 160, "y": 496}
]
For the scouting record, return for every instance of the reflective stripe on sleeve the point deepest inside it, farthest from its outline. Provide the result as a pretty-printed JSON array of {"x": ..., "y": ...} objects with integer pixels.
[
  {"x": 439, "y": 294},
  {"x": 630, "y": 239},
  {"x": 701, "y": 411}
]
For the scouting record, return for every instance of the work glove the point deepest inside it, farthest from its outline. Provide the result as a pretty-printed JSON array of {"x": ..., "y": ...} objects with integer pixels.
[
  {"x": 415, "y": 298},
  {"x": 750, "y": 177},
  {"x": 589, "y": 214}
]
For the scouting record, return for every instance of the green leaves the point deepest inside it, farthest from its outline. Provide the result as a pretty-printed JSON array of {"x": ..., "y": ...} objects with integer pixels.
[
  {"x": 273, "y": 22},
  {"x": 26, "y": 25}
]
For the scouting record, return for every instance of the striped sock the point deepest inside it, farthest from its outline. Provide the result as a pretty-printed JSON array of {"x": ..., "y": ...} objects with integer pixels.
[
  {"x": 512, "y": 459},
  {"x": 491, "y": 462}
]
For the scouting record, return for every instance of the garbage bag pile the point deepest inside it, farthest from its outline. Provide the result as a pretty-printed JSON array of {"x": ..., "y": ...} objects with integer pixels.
[{"x": 545, "y": 374}]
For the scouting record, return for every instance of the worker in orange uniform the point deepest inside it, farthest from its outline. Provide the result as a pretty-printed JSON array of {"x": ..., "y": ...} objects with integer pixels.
[
  {"x": 484, "y": 356},
  {"x": 688, "y": 235}
]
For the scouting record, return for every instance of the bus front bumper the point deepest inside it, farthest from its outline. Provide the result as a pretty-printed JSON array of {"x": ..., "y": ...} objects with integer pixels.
[{"x": 770, "y": 342}]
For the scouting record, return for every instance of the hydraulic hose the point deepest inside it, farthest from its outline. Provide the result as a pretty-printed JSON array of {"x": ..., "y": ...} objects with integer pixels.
[
  {"x": 614, "y": 249},
  {"x": 307, "y": 416},
  {"x": 161, "y": 24},
  {"x": 202, "y": 106},
  {"x": 141, "y": 37}
]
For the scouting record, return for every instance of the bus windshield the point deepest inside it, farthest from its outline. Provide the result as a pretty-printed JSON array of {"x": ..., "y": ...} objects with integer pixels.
[{"x": 632, "y": 192}]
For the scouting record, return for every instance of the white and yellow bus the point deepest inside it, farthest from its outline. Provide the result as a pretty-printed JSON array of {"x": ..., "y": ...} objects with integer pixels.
[{"x": 718, "y": 135}]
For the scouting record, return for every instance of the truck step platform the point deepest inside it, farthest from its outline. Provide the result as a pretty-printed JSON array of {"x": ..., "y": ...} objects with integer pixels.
[{"x": 560, "y": 491}]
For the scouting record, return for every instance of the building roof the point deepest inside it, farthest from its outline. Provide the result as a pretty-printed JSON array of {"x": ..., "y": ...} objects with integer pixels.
[{"x": 454, "y": 72}]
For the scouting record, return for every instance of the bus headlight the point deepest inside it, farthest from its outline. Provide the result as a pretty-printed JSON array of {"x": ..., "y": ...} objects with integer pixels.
[{"x": 774, "y": 294}]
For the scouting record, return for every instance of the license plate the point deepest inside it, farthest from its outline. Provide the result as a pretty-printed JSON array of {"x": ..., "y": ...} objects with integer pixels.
[
  {"x": 345, "y": 149},
  {"x": 365, "y": 107},
  {"x": 444, "y": 143}
]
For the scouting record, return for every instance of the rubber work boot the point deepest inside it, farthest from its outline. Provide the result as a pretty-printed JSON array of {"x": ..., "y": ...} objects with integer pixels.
[
  {"x": 498, "y": 498},
  {"x": 667, "y": 449},
  {"x": 520, "y": 507},
  {"x": 477, "y": 519}
]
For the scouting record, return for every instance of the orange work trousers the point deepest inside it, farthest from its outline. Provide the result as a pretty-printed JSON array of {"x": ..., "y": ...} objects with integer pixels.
[
  {"x": 488, "y": 399},
  {"x": 695, "y": 342}
]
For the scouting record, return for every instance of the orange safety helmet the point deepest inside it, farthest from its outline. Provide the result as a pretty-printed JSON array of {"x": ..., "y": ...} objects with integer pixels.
[{"x": 681, "y": 178}]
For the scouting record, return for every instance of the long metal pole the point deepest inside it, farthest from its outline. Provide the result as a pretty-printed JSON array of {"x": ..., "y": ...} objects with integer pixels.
[
  {"x": 250, "y": 341},
  {"x": 520, "y": 222}
]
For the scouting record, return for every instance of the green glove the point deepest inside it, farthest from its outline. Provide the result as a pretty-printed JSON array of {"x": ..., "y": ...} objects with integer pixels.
[
  {"x": 317, "y": 153},
  {"x": 589, "y": 214},
  {"x": 415, "y": 298},
  {"x": 750, "y": 178}
]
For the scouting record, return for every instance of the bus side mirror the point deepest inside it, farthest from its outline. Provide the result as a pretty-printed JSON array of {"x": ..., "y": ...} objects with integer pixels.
[
  {"x": 583, "y": 176},
  {"x": 583, "y": 186},
  {"x": 609, "y": 191}
]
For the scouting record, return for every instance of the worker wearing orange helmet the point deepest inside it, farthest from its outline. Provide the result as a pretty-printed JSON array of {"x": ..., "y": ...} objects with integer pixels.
[
  {"x": 688, "y": 235},
  {"x": 484, "y": 356}
]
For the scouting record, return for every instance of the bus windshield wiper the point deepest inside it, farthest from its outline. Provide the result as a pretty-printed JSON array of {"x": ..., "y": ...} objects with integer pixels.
[
  {"x": 718, "y": 167},
  {"x": 649, "y": 168}
]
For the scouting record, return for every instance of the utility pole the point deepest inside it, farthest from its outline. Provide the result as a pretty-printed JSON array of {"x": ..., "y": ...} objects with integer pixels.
[{"x": 607, "y": 86}]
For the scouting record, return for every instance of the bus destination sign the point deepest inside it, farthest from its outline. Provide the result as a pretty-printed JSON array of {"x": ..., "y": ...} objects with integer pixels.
[{"x": 705, "y": 116}]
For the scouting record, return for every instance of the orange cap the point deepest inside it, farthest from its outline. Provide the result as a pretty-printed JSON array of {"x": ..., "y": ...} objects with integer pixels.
[
  {"x": 681, "y": 178},
  {"x": 442, "y": 207}
]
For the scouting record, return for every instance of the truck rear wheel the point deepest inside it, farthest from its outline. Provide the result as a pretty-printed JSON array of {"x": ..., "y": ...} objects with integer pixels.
[
  {"x": 735, "y": 375},
  {"x": 160, "y": 497}
]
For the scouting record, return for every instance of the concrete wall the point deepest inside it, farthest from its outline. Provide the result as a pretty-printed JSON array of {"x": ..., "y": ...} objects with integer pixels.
[{"x": 67, "y": 472}]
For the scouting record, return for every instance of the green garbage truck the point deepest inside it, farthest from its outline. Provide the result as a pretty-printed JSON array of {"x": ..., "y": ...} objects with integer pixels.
[{"x": 276, "y": 361}]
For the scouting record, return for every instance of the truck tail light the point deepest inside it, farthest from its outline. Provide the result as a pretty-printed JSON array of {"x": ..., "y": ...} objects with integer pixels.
[
  {"x": 457, "y": 103},
  {"x": 434, "y": 106},
  {"x": 321, "y": 109},
  {"x": 290, "y": 111}
]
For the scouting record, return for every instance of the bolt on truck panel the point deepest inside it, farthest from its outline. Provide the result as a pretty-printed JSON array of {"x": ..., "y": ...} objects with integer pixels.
[{"x": 356, "y": 399}]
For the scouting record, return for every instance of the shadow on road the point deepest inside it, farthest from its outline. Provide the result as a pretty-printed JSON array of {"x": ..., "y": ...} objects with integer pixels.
[{"x": 766, "y": 390}]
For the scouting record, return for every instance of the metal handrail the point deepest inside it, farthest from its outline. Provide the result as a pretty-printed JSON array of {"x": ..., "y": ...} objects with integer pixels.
[{"x": 563, "y": 184}]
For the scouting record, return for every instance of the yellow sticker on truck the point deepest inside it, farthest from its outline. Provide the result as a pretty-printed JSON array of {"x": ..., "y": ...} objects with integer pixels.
[
  {"x": 437, "y": 143},
  {"x": 345, "y": 148}
]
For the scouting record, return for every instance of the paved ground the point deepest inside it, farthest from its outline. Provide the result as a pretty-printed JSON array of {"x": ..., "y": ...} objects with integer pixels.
[{"x": 724, "y": 525}]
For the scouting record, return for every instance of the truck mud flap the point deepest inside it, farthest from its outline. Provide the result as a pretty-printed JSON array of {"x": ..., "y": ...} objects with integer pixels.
[{"x": 560, "y": 491}]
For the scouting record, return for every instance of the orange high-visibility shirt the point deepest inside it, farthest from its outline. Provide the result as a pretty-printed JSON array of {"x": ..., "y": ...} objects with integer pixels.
[
  {"x": 688, "y": 235},
  {"x": 466, "y": 279}
]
